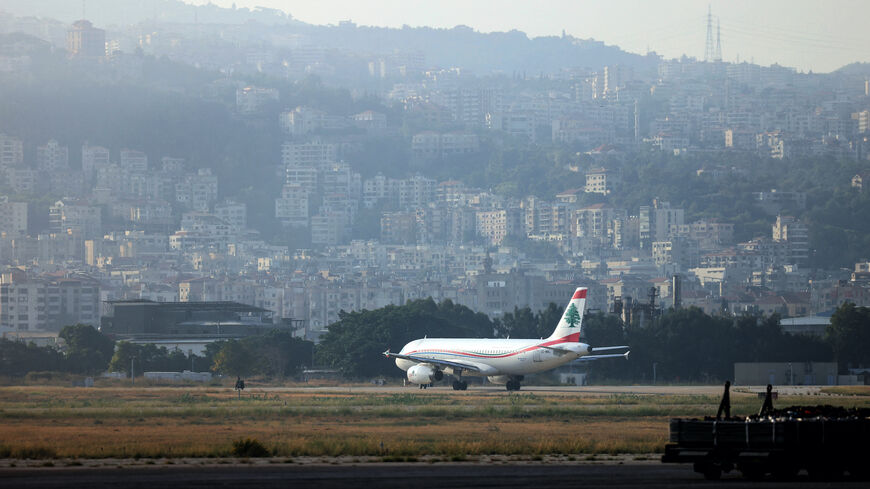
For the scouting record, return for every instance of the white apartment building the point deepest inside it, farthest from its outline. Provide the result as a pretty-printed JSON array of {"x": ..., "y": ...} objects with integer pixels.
[
  {"x": 197, "y": 191},
  {"x": 13, "y": 217},
  {"x": 75, "y": 217},
  {"x": 312, "y": 154},
  {"x": 48, "y": 303},
  {"x": 292, "y": 208},
  {"x": 233, "y": 213},
  {"x": 134, "y": 161},
  {"x": 93, "y": 157},
  {"x": 11, "y": 151},
  {"x": 52, "y": 157}
]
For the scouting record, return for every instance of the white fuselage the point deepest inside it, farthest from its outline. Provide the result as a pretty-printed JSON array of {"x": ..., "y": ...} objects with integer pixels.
[{"x": 494, "y": 357}]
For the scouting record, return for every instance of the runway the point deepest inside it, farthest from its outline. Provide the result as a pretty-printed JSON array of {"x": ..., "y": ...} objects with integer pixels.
[
  {"x": 441, "y": 475},
  {"x": 663, "y": 390}
]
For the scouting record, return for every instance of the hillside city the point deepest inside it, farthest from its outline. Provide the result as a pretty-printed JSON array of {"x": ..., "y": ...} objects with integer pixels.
[{"x": 385, "y": 174}]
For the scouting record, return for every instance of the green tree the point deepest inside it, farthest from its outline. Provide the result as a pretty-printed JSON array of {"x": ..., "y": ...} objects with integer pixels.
[
  {"x": 849, "y": 335},
  {"x": 234, "y": 358},
  {"x": 548, "y": 319},
  {"x": 125, "y": 352},
  {"x": 521, "y": 323},
  {"x": 87, "y": 350},
  {"x": 354, "y": 343},
  {"x": 278, "y": 354},
  {"x": 18, "y": 358},
  {"x": 146, "y": 358}
]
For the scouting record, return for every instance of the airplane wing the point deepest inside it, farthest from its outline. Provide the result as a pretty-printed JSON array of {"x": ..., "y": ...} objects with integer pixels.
[
  {"x": 442, "y": 363},
  {"x": 589, "y": 358}
]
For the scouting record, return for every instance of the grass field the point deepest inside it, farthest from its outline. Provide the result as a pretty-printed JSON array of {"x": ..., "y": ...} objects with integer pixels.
[{"x": 45, "y": 422}]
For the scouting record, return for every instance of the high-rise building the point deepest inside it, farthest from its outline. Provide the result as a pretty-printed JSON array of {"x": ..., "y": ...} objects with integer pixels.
[
  {"x": 233, "y": 213},
  {"x": 656, "y": 222},
  {"x": 292, "y": 208},
  {"x": 75, "y": 218},
  {"x": 11, "y": 151},
  {"x": 13, "y": 217},
  {"x": 134, "y": 161},
  {"x": 41, "y": 304},
  {"x": 312, "y": 154},
  {"x": 93, "y": 157},
  {"x": 197, "y": 191},
  {"x": 52, "y": 157},
  {"x": 85, "y": 40},
  {"x": 792, "y": 231}
]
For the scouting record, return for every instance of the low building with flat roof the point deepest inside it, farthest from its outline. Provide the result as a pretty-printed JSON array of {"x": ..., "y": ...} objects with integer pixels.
[{"x": 187, "y": 326}]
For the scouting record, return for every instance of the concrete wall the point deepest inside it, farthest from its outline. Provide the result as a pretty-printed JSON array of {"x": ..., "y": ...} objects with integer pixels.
[{"x": 786, "y": 373}]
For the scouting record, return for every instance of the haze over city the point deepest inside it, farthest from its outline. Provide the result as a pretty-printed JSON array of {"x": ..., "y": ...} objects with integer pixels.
[
  {"x": 261, "y": 235},
  {"x": 805, "y": 34}
]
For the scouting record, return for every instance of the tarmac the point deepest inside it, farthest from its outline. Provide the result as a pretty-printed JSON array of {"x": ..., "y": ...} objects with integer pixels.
[
  {"x": 385, "y": 476},
  {"x": 664, "y": 390}
]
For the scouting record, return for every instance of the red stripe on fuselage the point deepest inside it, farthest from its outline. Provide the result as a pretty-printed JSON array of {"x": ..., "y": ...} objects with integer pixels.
[{"x": 571, "y": 338}]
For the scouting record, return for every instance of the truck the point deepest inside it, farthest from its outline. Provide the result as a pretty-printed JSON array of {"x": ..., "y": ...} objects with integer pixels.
[{"x": 826, "y": 441}]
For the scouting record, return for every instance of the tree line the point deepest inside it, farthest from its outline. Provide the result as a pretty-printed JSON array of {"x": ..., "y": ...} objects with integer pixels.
[
  {"x": 275, "y": 354},
  {"x": 683, "y": 345}
]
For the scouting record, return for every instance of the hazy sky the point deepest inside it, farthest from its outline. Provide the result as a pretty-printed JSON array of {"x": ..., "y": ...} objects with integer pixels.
[{"x": 821, "y": 35}]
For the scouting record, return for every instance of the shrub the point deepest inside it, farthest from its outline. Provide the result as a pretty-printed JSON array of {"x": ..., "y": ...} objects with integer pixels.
[{"x": 249, "y": 447}]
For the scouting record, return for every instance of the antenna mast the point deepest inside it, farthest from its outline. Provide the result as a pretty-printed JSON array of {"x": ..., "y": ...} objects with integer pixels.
[{"x": 708, "y": 48}]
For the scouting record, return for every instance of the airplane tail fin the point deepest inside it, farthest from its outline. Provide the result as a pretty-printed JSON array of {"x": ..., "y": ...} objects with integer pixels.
[{"x": 569, "y": 326}]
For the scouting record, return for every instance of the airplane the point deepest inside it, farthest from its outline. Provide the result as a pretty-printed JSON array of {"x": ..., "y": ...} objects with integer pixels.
[{"x": 501, "y": 361}]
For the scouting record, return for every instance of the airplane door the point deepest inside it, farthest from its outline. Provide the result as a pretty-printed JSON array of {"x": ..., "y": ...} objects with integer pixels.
[{"x": 536, "y": 356}]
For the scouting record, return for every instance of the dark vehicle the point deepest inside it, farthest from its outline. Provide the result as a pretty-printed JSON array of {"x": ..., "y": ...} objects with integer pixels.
[{"x": 826, "y": 441}]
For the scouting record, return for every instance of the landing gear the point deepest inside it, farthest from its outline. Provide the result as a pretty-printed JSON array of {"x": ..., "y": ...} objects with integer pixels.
[
  {"x": 458, "y": 383},
  {"x": 513, "y": 385}
]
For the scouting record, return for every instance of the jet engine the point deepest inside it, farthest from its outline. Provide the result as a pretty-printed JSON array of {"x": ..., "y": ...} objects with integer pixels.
[{"x": 424, "y": 374}]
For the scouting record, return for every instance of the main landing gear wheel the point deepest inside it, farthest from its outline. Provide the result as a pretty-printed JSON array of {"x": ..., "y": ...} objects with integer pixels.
[
  {"x": 513, "y": 385},
  {"x": 459, "y": 385}
]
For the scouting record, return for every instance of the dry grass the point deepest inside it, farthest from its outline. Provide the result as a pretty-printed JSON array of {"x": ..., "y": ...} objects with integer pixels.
[
  {"x": 55, "y": 422},
  {"x": 847, "y": 390}
]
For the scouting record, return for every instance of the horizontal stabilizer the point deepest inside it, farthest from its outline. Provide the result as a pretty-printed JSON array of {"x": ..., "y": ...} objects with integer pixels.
[
  {"x": 609, "y": 348},
  {"x": 588, "y": 358}
]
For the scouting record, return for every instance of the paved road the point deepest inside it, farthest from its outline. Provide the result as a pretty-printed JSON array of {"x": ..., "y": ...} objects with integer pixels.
[{"x": 648, "y": 476}]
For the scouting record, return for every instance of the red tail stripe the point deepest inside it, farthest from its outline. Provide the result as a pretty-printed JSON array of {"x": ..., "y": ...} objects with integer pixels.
[{"x": 579, "y": 294}]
